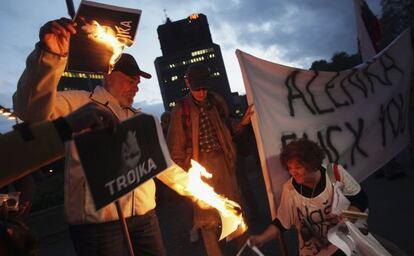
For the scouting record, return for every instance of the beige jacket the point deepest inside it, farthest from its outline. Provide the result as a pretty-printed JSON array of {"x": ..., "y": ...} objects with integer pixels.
[
  {"x": 37, "y": 99},
  {"x": 183, "y": 138}
]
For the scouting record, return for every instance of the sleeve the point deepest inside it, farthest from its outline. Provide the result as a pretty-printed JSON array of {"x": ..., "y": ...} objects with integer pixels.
[
  {"x": 352, "y": 190},
  {"x": 63, "y": 129},
  {"x": 232, "y": 124},
  {"x": 176, "y": 139},
  {"x": 36, "y": 98},
  {"x": 28, "y": 153},
  {"x": 351, "y": 186},
  {"x": 276, "y": 222},
  {"x": 285, "y": 213}
]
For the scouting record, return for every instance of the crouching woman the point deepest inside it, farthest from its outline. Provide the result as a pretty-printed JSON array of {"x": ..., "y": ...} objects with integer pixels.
[{"x": 307, "y": 197}]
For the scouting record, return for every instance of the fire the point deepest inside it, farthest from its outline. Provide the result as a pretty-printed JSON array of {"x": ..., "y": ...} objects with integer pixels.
[
  {"x": 107, "y": 36},
  {"x": 230, "y": 211}
]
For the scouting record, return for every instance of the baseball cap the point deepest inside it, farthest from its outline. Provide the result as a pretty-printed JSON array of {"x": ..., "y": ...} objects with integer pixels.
[
  {"x": 127, "y": 65},
  {"x": 198, "y": 75}
]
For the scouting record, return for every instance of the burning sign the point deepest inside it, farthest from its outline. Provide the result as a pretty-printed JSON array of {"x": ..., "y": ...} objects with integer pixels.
[
  {"x": 106, "y": 35},
  {"x": 230, "y": 212},
  {"x": 104, "y": 31}
]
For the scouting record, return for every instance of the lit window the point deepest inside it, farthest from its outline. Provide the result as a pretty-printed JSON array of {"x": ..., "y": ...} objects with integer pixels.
[
  {"x": 173, "y": 78},
  {"x": 172, "y": 104}
]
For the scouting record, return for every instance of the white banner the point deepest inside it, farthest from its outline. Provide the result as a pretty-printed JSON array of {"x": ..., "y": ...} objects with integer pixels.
[{"x": 358, "y": 116}]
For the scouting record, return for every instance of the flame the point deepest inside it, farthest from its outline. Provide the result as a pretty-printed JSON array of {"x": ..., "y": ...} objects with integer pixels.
[
  {"x": 230, "y": 211},
  {"x": 107, "y": 36}
]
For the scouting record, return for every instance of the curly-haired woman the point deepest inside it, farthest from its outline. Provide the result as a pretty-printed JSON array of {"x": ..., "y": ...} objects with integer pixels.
[{"x": 306, "y": 201}]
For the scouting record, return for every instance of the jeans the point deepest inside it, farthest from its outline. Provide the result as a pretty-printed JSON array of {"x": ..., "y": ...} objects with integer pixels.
[{"x": 107, "y": 239}]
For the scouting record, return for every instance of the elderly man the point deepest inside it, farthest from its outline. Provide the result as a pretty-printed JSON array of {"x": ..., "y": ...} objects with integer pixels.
[
  {"x": 92, "y": 232},
  {"x": 201, "y": 129}
]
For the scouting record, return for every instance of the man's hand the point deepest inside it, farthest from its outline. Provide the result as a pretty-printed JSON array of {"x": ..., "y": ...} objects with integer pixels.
[
  {"x": 91, "y": 115},
  {"x": 55, "y": 35}
]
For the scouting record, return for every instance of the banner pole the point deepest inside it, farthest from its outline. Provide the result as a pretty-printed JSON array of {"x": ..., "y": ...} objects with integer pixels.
[{"x": 124, "y": 228}]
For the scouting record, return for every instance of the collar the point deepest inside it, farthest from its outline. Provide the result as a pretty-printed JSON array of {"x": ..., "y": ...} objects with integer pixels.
[
  {"x": 205, "y": 104},
  {"x": 101, "y": 96},
  {"x": 320, "y": 187}
]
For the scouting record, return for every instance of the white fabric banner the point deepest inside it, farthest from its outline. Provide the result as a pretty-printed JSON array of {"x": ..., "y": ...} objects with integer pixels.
[{"x": 358, "y": 116}]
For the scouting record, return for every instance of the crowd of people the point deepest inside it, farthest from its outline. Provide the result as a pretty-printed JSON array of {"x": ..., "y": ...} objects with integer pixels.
[{"x": 199, "y": 127}]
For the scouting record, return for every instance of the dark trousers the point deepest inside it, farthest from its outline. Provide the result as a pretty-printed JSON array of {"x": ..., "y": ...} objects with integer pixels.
[{"x": 107, "y": 239}]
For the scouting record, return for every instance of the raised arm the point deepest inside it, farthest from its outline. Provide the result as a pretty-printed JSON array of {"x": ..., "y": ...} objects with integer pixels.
[{"x": 35, "y": 97}]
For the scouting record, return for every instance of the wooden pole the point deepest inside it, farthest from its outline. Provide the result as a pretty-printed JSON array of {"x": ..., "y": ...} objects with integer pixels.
[{"x": 124, "y": 228}]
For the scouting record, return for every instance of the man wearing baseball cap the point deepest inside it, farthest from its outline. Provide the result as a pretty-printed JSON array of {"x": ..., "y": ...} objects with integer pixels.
[
  {"x": 201, "y": 129},
  {"x": 36, "y": 99}
]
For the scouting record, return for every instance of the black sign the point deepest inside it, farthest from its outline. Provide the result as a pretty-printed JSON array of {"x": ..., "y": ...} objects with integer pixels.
[{"x": 116, "y": 163}]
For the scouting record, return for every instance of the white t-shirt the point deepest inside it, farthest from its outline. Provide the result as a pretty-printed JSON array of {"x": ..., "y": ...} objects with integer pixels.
[{"x": 312, "y": 216}]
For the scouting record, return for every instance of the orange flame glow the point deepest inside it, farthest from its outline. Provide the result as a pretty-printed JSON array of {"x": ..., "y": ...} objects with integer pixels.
[
  {"x": 230, "y": 212},
  {"x": 107, "y": 36}
]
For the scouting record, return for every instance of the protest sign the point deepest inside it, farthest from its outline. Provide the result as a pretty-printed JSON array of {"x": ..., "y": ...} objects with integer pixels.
[{"x": 116, "y": 163}]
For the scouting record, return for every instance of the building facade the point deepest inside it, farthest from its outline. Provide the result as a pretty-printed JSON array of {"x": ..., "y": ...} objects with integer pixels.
[
  {"x": 79, "y": 81},
  {"x": 183, "y": 43}
]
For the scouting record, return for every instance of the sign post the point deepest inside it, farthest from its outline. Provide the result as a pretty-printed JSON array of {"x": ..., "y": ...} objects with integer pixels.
[{"x": 124, "y": 228}]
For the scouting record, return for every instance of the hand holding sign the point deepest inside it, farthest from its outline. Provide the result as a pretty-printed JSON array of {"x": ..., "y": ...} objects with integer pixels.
[
  {"x": 91, "y": 115},
  {"x": 117, "y": 163},
  {"x": 55, "y": 35}
]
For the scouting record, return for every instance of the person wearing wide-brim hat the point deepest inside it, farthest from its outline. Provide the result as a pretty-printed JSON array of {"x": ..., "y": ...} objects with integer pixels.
[{"x": 201, "y": 129}]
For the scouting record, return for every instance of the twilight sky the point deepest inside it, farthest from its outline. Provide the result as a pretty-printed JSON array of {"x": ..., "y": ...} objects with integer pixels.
[{"x": 290, "y": 32}]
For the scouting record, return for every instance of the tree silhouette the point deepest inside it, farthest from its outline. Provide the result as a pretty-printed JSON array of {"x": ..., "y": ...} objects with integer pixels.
[
  {"x": 397, "y": 15},
  {"x": 339, "y": 61}
]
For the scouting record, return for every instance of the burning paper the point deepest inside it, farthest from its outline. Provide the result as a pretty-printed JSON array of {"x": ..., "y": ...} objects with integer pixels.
[
  {"x": 230, "y": 212},
  {"x": 103, "y": 32},
  {"x": 106, "y": 35}
]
